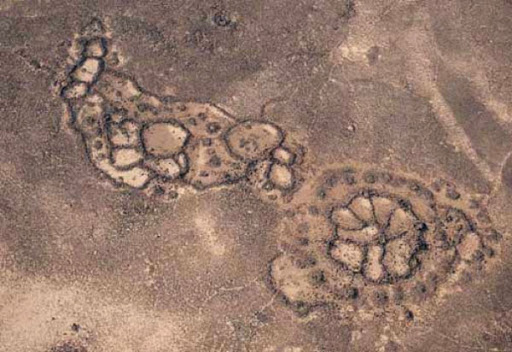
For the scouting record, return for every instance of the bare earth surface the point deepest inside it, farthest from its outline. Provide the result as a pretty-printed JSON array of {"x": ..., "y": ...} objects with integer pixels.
[{"x": 266, "y": 175}]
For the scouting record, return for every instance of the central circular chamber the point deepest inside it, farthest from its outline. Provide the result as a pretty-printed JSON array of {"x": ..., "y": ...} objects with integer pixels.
[{"x": 376, "y": 235}]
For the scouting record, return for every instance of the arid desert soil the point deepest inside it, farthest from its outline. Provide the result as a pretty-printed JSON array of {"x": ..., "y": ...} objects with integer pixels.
[{"x": 266, "y": 175}]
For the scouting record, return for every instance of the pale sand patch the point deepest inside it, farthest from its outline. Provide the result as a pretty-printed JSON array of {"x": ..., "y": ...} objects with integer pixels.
[
  {"x": 207, "y": 230},
  {"x": 36, "y": 315}
]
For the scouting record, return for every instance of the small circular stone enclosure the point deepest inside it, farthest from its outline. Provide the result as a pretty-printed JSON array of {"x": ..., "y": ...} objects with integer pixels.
[
  {"x": 376, "y": 234},
  {"x": 253, "y": 140},
  {"x": 164, "y": 139}
]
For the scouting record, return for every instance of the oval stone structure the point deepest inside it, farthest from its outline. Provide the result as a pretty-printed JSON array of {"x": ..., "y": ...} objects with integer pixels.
[
  {"x": 138, "y": 139},
  {"x": 281, "y": 176},
  {"x": 253, "y": 140},
  {"x": 381, "y": 243},
  {"x": 164, "y": 139}
]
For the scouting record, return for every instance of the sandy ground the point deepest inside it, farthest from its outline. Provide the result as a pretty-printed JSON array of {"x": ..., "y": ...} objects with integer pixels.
[{"x": 279, "y": 176}]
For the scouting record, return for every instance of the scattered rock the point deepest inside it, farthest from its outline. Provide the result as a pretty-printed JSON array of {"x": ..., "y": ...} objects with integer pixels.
[
  {"x": 349, "y": 254},
  {"x": 118, "y": 89},
  {"x": 89, "y": 119},
  {"x": 124, "y": 134},
  {"x": 452, "y": 193},
  {"x": 221, "y": 19},
  {"x": 69, "y": 346},
  {"x": 212, "y": 165}
]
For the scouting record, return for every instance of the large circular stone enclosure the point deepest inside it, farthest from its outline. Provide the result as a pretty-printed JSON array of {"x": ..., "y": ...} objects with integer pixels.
[{"x": 164, "y": 139}]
